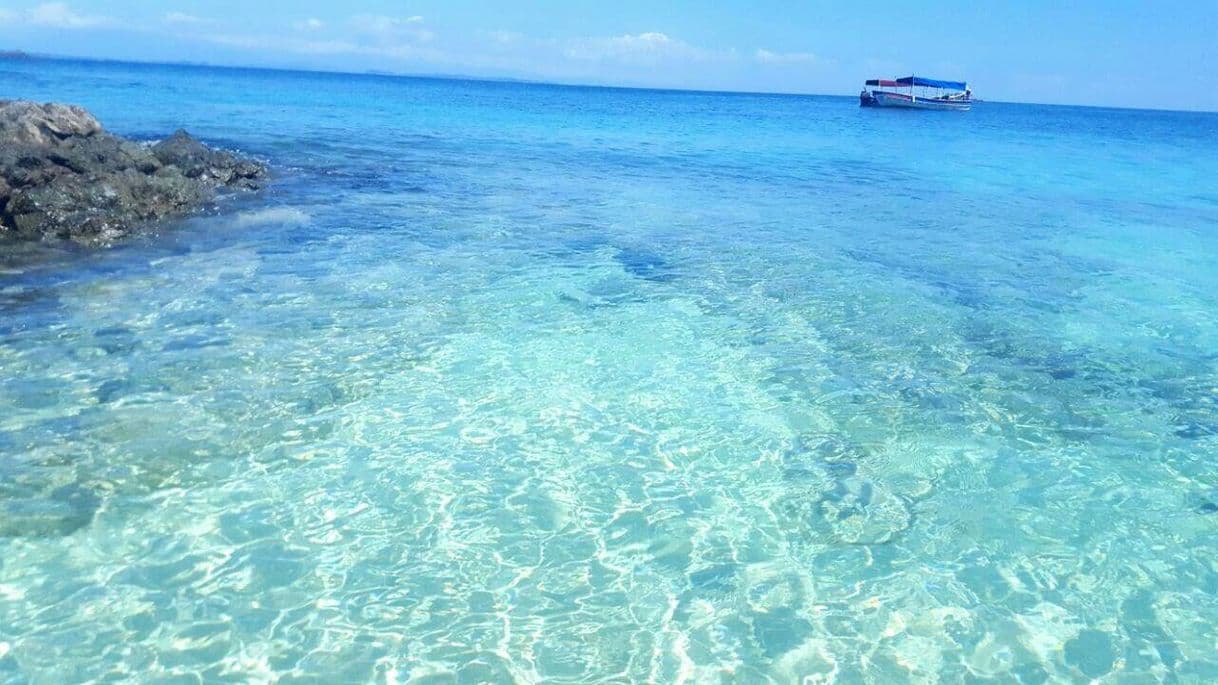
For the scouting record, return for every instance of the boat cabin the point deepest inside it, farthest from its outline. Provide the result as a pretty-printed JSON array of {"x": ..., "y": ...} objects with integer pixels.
[{"x": 917, "y": 92}]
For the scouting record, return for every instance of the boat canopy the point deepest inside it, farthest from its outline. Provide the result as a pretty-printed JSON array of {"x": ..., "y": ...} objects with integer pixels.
[
  {"x": 881, "y": 82},
  {"x": 931, "y": 83}
]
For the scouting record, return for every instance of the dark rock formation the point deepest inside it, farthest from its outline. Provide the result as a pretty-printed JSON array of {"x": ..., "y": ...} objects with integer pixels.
[{"x": 62, "y": 175}]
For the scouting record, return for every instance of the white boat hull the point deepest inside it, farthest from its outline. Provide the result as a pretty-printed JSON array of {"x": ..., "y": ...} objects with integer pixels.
[{"x": 884, "y": 99}]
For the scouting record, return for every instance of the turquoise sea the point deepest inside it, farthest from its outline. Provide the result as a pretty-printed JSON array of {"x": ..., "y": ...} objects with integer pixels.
[{"x": 505, "y": 382}]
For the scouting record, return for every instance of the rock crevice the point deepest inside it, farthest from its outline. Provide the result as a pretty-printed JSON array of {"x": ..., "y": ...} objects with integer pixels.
[{"x": 63, "y": 176}]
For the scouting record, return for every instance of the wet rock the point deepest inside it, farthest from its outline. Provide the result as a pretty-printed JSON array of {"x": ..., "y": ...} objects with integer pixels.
[
  {"x": 43, "y": 125},
  {"x": 63, "y": 176},
  {"x": 196, "y": 160}
]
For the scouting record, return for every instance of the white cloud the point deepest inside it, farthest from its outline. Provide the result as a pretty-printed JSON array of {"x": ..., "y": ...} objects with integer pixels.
[
  {"x": 302, "y": 46},
  {"x": 183, "y": 18},
  {"x": 309, "y": 24},
  {"x": 369, "y": 35},
  {"x": 377, "y": 23},
  {"x": 785, "y": 58},
  {"x": 391, "y": 28},
  {"x": 640, "y": 49},
  {"x": 59, "y": 15}
]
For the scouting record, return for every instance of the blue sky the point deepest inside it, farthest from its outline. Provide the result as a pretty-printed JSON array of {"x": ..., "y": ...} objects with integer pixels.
[{"x": 1136, "y": 54}]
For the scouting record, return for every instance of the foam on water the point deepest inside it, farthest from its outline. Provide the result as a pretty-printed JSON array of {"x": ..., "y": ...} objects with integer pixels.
[
  {"x": 506, "y": 382},
  {"x": 270, "y": 215}
]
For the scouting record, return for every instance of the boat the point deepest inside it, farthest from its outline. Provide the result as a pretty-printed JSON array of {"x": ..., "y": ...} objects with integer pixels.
[{"x": 934, "y": 94}]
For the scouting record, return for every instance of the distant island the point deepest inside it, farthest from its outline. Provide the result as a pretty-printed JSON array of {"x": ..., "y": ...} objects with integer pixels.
[{"x": 15, "y": 54}]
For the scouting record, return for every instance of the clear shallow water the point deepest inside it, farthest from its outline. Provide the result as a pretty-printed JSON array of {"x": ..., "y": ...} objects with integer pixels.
[{"x": 512, "y": 382}]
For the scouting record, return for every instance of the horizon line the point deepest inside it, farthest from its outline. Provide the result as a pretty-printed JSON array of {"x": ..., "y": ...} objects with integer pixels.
[{"x": 18, "y": 55}]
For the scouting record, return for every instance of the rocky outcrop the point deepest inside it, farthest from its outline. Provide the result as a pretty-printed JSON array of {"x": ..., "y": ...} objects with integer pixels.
[{"x": 62, "y": 175}]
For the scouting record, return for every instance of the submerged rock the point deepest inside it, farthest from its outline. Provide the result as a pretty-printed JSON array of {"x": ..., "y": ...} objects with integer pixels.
[
  {"x": 62, "y": 175},
  {"x": 56, "y": 514}
]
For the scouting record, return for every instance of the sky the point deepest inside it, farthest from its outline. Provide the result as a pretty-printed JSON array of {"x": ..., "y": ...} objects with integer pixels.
[{"x": 1091, "y": 52}]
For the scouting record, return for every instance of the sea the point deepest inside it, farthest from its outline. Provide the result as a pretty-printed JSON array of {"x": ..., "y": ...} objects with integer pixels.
[{"x": 512, "y": 382}]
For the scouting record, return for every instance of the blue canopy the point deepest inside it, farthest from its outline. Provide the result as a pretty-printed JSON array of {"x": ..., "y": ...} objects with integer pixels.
[{"x": 932, "y": 83}]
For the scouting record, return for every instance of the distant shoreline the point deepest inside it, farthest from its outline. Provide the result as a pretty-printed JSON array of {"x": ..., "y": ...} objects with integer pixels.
[
  {"x": 18, "y": 55},
  {"x": 381, "y": 73}
]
